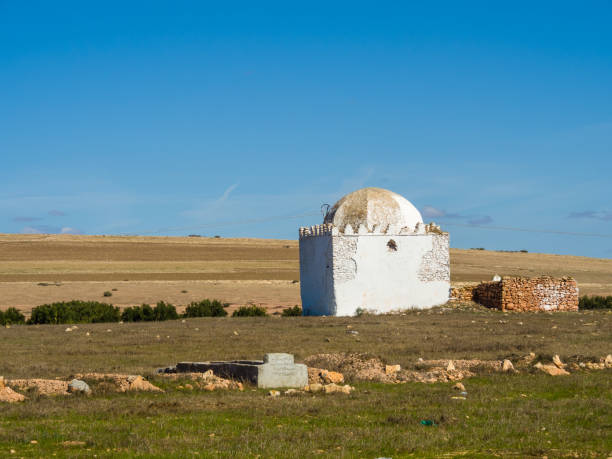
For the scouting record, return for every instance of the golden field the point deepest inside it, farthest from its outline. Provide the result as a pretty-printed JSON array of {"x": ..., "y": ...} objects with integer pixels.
[{"x": 37, "y": 269}]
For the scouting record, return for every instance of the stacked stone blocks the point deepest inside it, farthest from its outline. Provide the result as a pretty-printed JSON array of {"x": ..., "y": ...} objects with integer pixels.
[{"x": 523, "y": 294}]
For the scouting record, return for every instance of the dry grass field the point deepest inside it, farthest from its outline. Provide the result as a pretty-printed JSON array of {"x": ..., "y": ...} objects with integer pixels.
[
  {"x": 37, "y": 269},
  {"x": 529, "y": 414}
]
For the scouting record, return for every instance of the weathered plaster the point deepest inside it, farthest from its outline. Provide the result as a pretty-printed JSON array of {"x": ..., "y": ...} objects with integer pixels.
[
  {"x": 435, "y": 264},
  {"x": 373, "y": 252}
]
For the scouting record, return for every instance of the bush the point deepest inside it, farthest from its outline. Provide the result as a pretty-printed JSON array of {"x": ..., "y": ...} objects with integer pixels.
[
  {"x": 250, "y": 311},
  {"x": 165, "y": 311},
  {"x": 107, "y": 293},
  {"x": 142, "y": 313},
  {"x": 145, "y": 313},
  {"x": 595, "y": 302},
  {"x": 206, "y": 308},
  {"x": 292, "y": 312},
  {"x": 70, "y": 312},
  {"x": 11, "y": 316}
]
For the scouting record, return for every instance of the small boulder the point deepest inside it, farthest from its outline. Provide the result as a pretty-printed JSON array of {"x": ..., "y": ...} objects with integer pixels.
[
  {"x": 557, "y": 361},
  {"x": 274, "y": 393},
  {"x": 507, "y": 366},
  {"x": 392, "y": 369},
  {"x": 459, "y": 386},
  {"x": 450, "y": 366},
  {"x": 595, "y": 366},
  {"x": 315, "y": 387},
  {"x": 330, "y": 377},
  {"x": 608, "y": 361},
  {"x": 551, "y": 369},
  {"x": 10, "y": 396},
  {"x": 78, "y": 385}
]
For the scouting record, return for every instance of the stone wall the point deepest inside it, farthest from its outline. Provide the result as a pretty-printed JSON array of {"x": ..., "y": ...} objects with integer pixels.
[
  {"x": 523, "y": 294},
  {"x": 465, "y": 293},
  {"x": 539, "y": 293},
  {"x": 490, "y": 294}
]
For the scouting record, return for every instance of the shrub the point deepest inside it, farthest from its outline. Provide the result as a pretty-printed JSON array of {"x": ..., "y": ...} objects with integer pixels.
[
  {"x": 142, "y": 313},
  {"x": 145, "y": 313},
  {"x": 206, "y": 308},
  {"x": 595, "y": 302},
  {"x": 164, "y": 311},
  {"x": 107, "y": 293},
  {"x": 292, "y": 312},
  {"x": 250, "y": 311},
  {"x": 70, "y": 312},
  {"x": 11, "y": 316}
]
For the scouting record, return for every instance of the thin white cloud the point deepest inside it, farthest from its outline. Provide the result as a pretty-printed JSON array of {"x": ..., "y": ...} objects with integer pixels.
[
  {"x": 432, "y": 212},
  {"x": 30, "y": 230},
  {"x": 226, "y": 193},
  {"x": 69, "y": 230}
]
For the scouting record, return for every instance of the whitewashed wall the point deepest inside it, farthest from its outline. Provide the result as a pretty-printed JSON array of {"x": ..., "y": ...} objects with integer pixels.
[
  {"x": 316, "y": 286},
  {"x": 365, "y": 273}
]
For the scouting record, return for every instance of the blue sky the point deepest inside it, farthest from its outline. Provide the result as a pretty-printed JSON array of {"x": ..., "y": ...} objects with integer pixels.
[{"x": 242, "y": 119}]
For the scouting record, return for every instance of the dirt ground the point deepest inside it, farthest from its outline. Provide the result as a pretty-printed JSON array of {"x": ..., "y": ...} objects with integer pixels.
[{"x": 37, "y": 269}]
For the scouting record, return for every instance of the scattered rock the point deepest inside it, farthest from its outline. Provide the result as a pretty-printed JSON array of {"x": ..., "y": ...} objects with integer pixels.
[
  {"x": 392, "y": 369},
  {"x": 552, "y": 370},
  {"x": 528, "y": 359},
  {"x": 319, "y": 375},
  {"x": 316, "y": 387},
  {"x": 335, "y": 388},
  {"x": 507, "y": 366},
  {"x": 73, "y": 443},
  {"x": 352, "y": 365},
  {"x": 78, "y": 385},
  {"x": 122, "y": 383},
  {"x": 188, "y": 386},
  {"x": 450, "y": 366},
  {"x": 557, "y": 361},
  {"x": 595, "y": 366},
  {"x": 10, "y": 396},
  {"x": 274, "y": 393},
  {"x": 43, "y": 386},
  {"x": 458, "y": 397},
  {"x": 608, "y": 361},
  {"x": 459, "y": 386},
  {"x": 207, "y": 381}
]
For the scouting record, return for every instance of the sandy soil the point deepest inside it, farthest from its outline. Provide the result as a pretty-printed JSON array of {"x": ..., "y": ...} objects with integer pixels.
[{"x": 37, "y": 269}]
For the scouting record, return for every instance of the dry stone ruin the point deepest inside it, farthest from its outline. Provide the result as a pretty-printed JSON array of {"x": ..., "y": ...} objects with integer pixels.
[{"x": 523, "y": 294}]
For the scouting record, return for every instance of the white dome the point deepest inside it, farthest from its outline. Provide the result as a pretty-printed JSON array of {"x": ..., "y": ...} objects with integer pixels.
[{"x": 373, "y": 206}]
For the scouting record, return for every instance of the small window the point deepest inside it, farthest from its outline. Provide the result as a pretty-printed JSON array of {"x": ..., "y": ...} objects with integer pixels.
[{"x": 392, "y": 245}]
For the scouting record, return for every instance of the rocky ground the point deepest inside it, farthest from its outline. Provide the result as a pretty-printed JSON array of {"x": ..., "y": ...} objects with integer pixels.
[{"x": 327, "y": 374}]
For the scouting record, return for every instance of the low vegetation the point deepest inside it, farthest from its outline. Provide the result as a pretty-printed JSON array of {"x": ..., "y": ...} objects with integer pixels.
[
  {"x": 74, "y": 312},
  {"x": 502, "y": 415},
  {"x": 206, "y": 308},
  {"x": 11, "y": 316},
  {"x": 595, "y": 302},
  {"x": 251, "y": 310},
  {"x": 292, "y": 312}
]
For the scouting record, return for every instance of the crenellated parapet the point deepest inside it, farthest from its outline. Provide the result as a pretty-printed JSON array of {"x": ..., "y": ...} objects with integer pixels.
[{"x": 328, "y": 229}]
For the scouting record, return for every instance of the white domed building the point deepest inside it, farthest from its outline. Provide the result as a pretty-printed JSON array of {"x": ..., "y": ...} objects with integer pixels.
[{"x": 373, "y": 252}]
